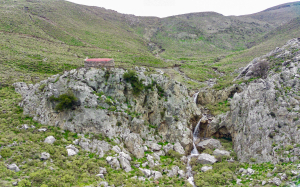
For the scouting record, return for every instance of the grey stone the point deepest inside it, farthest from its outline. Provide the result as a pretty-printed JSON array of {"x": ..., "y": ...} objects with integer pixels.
[
  {"x": 45, "y": 156},
  {"x": 116, "y": 149},
  {"x": 15, "y": 183},
  {"x": 156, "y": 175},
  {"x": 72, "y": 150},
  {"x": 206, "y": 159},
  {"x": 206, "y": 168},
  {"x": 275, "y": 181},
  {"x": 102, "y": 170},
  {"x": 113, "y": 162},
  {"x": 219, "y": 152},
  {"x": 134, "y": 144},
  {"x": 103, "y": 184},
  {"x": 263, "y": 183},
  {"x": 13, "y": 167},
  {"x": 155, "y": 147},
  {"x": 42, "y": 130},
  {"x": 181, "y": 174},
  {"x": 125, "y": 161},
  {"x": 209, "y": 144},
  {"x": 50, "y": 140},
  {"x": 173, "y": 172},
  {"x": 146, "y": 172},
  {"x": 178, "y": 148},
  {"x": 168, "y": 147}
]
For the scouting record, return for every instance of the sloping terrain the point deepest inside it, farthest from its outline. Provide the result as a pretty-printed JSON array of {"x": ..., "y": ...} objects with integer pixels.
[{"x": 35, "y": 34}]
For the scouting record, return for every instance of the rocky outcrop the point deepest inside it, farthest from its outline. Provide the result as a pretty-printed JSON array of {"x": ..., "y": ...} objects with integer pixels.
[
  {"x": 263, "y": 120},
  {"x": 106, "y": 105}
]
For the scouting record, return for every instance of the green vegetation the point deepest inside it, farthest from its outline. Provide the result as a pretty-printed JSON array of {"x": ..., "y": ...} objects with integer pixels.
[
  {"x": 66, "y": 101},
  {"x": 136, "y": 83}
]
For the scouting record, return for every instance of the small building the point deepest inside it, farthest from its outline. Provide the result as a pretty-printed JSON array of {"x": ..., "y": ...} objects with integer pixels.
[{"x": 99, "y": 62}]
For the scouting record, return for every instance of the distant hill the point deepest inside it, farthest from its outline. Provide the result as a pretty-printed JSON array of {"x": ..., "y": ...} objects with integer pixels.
[{"x": 39, "y": 38}]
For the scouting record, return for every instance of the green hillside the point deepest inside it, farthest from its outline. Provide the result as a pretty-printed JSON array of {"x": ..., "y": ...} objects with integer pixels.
[{"x": 39, "y": 38}]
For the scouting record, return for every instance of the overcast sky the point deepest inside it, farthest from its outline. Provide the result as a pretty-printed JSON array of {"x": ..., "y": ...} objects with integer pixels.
[{"x": 164, "y": 8}]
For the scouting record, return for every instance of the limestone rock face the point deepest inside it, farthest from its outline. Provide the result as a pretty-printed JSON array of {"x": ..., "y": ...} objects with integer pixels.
[
  {"x": 72, "y": 150},
  {"x": 265, "y": 113},
  {"x": 94, "y": 146},
  {"x": 107, "y": 106}
]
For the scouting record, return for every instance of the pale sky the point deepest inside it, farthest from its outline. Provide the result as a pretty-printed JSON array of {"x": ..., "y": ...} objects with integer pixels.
[{"x": 165, "y": 8}]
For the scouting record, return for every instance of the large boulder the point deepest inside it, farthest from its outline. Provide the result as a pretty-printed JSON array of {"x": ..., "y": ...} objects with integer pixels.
[
  {"x": 72, "y": 150},
  {"x": 219, "y": 152},
  {"x": 209, "y": 144},
  {"x": 134, "y": 143},
  {"x": 125, "y": 161},
  {"x": 206, "y": 159},
  {"x": 94, "y": 146},
  {"x": 50, "y": 140},
  {"x": 13, "y": 167},
  {"x": 178, "y": 148},
  {"x": 113, "y": 162}
]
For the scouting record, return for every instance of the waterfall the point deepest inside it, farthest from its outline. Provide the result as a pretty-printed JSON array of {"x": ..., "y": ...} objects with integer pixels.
[{"x": 194, "y": 152}]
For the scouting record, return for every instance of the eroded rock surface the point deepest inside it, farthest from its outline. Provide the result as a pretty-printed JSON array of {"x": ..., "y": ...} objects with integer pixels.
[
  {"x": 264, "y": 117},
  {"x": 106, "y": 105}
]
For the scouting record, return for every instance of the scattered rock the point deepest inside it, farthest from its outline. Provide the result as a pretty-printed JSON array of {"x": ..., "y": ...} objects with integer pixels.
[
  {"x": 238, "y": 181},
  {"x": 173, "y": 172},
  {"x": 50, "y": 140},
  {"x": 219, "y": 152},
  {"x": 263, "y": 183},
  {"x": 42, "y": 130},
  {"x": 45, "y": 156},
  {"x": 178, "y": 148},
  {"x": 146, "y": 172},
  {"x": 206, "y": 159},
  {"x": 134, "y": 144},
  {"x": 102, "y": 170},
  {"x": 13, "y": 167},
  {"x": 113, "y": 162},
  {"x": 156, "y": 174},
  {"x": 181, "y": 174},
  {"x": 15, "y": 183},
  {"x": 116, "y": 149},
  {"x": 155, "y": 147},
  {"x": 72, "y": 150},
  {"x": 168, "y": 147},
  {"x": 206, "y": 168},
  {"x": 125, "y": 161},
  {"x": 275, "y": 181}
]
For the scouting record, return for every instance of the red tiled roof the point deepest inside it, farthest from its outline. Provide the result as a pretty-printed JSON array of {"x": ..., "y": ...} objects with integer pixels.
[{"x": 98, "y": 59}]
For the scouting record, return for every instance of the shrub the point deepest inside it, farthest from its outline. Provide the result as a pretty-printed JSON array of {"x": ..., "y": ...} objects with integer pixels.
[
  {"x": 107, "y": 75},
  {"x": 136, "y": 84},
  {"x": 24, "y": 183},
  {"x": 261, "y": 68},
  {"x": 252, "y": 159},
  {"x": 66, "y": 101},
  {"x": 289, "y": 147},
  {"x": 41, "y": 88},
  {"x": 6, "y": 152},
  {"x": 173, "y": 153}
]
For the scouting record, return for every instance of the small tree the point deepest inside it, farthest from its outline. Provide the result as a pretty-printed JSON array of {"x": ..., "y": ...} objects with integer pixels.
[{"x": 66, "y": 101}]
